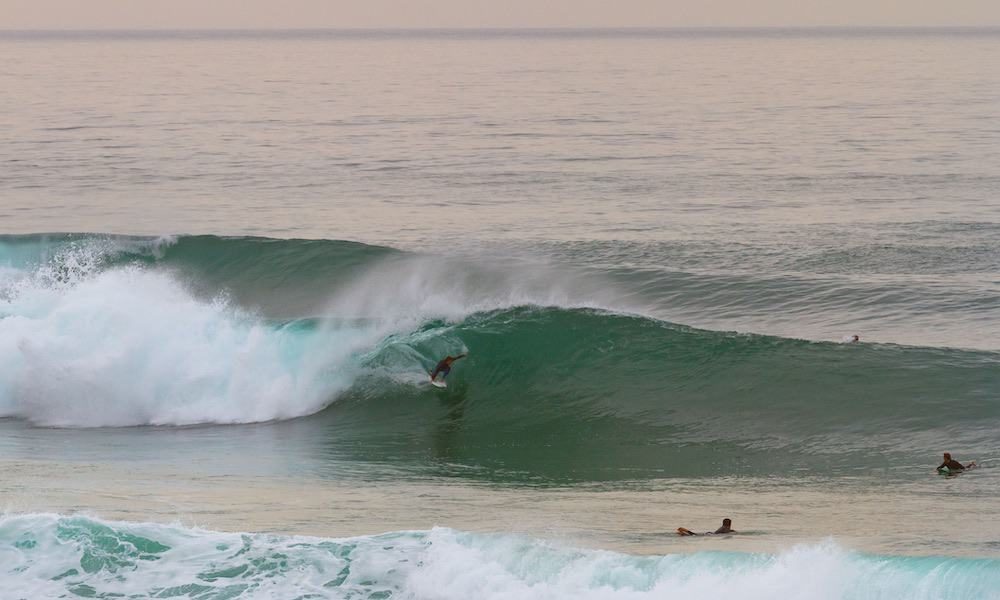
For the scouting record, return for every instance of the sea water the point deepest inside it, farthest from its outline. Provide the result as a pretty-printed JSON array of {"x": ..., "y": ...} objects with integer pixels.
[{"x": 228, "y": 259}]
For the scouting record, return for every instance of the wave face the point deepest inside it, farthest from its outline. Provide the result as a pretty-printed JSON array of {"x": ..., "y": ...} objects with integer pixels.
[
  {"x": 50, "y": 556},
  {"x": 565, "y": 379},
  {"x": 112, "y": 331},
  {"x": 589, "y": 394}
]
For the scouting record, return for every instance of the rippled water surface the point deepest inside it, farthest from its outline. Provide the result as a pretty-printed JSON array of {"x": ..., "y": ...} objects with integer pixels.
[{"x": 228, "y": 260}]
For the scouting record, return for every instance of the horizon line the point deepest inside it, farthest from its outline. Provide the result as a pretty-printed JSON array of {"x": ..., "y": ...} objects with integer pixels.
[{"x": 471, "y": 29}]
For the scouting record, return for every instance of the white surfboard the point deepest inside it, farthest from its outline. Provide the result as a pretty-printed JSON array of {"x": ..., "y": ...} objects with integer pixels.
[{"x": 438, "y": 384}]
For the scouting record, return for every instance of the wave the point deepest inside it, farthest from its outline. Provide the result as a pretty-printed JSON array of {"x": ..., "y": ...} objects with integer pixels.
[
  {"x": 579, "y": 393},
  {"x": 112, "y": 331},
  {"x": 50, "y": 556},
  {"x": 833, "y": 285},
  {"x": 565, "y": 377}
]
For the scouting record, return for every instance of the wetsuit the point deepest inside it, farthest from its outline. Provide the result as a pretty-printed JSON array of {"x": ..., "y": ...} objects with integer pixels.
[
  {"x": 953, "y": 465},
  {"x": 443, "y": 367}
]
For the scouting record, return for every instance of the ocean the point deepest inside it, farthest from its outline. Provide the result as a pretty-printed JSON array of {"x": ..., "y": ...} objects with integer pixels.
[{"x": 229, "y": 259}]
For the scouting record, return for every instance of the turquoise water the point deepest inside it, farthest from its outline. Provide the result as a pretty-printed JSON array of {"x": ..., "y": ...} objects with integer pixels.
[
  {"x": 52, "y": 556},
  {"x": 228, "y": 261}
]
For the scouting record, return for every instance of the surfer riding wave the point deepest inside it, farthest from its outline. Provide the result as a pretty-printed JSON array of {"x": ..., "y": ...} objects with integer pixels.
[{"x": 444, "y": 366}]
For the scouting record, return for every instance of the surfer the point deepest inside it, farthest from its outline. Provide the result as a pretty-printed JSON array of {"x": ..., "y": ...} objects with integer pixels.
[
  {"x": 444, "y": 366},
  {"x": 855, "y": 339},
  {"x": 726, "y": 528},
  {"x": 953, "y": 465}
]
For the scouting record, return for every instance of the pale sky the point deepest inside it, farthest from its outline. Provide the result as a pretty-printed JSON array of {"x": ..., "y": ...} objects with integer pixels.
[{"x": 262, "y": 14}]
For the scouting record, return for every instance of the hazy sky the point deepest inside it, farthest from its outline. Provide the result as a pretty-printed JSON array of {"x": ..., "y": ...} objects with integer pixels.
[{"x": 85, "y": 14}]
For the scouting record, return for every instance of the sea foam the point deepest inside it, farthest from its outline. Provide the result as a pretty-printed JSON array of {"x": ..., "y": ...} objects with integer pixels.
[
  {"x": 48, "y": 556},
  {"x": 83, "y": 347}
]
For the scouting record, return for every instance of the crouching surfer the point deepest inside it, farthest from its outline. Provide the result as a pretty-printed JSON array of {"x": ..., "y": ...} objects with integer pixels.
[
  {"x": 727, "y": 527},
  {"x": 444, "y": 366}
]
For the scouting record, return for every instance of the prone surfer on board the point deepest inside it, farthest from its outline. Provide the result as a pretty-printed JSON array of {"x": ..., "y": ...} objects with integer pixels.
[
  {"x": 444, "y": 366},
  {"x": 952, "y": 465},
  {"x": 726, "y": 528}
]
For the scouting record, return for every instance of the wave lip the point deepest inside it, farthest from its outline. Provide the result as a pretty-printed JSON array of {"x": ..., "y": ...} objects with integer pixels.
[{"x": 48, "y": 556}]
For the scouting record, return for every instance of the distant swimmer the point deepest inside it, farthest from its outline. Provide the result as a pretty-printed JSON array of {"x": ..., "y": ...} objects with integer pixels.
[
  {"x": 850, "y": 339},
  {"x": 953, "y": 466},
  {"x": 726, "y": 528},
  {"x": 855, "y": 338},
  {"x": 444, "y": 366}
]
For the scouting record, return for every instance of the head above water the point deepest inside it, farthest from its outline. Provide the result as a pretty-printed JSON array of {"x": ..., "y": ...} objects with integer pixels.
[
  {"x": 947, "y": 455},
  {"x": 727, "y": 522},
  {"x": 855, "y": 338}
]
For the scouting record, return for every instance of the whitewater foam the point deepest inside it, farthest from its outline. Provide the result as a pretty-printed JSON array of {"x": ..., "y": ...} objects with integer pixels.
[
  {"x": 129, "y": 347},
  {"x": 86, "y": 347},
  {"x": 48, "y": 556}
]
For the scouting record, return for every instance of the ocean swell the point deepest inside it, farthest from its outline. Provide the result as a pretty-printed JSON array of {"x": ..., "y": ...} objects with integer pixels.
[{"x": 565, "y": 379}]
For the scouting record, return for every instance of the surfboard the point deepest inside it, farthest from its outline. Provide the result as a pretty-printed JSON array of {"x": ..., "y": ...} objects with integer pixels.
[
  {"x": 438, "y": 384},
  {"x": 947, "y": 471}
]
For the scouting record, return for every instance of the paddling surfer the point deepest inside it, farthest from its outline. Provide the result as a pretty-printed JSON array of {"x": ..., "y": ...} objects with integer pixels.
[
  {"x": 953, "y": 465},
  {"x": 726, "y": 528}
]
